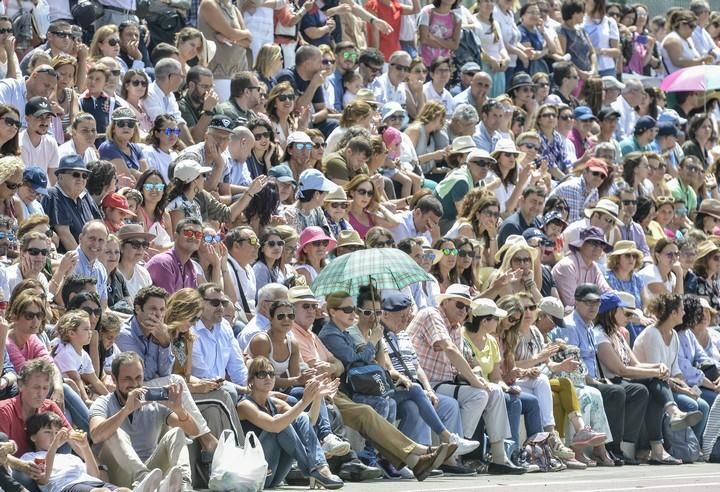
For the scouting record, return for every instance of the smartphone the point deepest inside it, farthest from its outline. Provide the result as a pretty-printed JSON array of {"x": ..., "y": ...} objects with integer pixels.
[
  {"x": 157, "y": 394},
  {"x": 642, "y": 39}
]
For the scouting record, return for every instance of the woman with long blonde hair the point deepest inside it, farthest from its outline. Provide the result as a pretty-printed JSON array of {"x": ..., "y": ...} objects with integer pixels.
[
  {"x": 268, "y": 63},
  {"x": 105, "y": 42},
  {"x": 424, "y": 133}
]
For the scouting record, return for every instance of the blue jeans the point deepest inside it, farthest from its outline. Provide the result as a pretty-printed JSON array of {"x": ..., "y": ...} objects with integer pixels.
[
  {"x": 426, "y": 411},
  {"x": 413, "y": 426},
  {"x": 609, "y": 71},
  {"x": 75, "y": 409},
  {"x": 523, "y": 404},
  {"x": 322, "y": 426},
  {"x": 297, "y": 442},
  {"x": 688, "y": 404}
]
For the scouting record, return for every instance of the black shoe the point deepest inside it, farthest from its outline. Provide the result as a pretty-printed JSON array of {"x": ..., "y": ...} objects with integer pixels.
[
  {"x": 616, "y": 460},
  {"x": 457, "y": 471},
  {"x": 480, "y": 466},
  {"x": 296, "y": 478},
  {"x": 505, "y": 469},
  {"x": 357, "y": 471},
  {"x": 630, "y": 461}
]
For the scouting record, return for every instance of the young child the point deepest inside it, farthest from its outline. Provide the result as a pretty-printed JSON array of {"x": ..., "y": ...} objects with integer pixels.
[
  {"x": 109, "y": 329},
  {"x": 352, "y": 83},
  {"x": 134, "y": 199},
  {"x": 74, "y": 363},
  {"x": 95, "y": 100},
  {"x": 409, "y": 182},
  {"x": 67, "y": 472},
  {"x": 117, "y": 210}
]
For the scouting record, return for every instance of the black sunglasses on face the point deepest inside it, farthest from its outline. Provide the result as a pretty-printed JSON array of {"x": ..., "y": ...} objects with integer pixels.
[
  {"x": 214, "y": 302},
  {"x": 463, "y": 253},
  {"x": 342, "y": 205},
  {"x": 138, "y": 83},
  {"x": 92, "y": 312},
  {"x": 62, "y": 35},
  {"x": 282, "y": 316},
  {"x": 113, "y": 41},
  {"x": 6, "y": 31},
  {"x": 138, "y": 244},
  {"x": 462, "y": 305},
  {"x": 319, "y": 145},
  {"x": 265, "y": 374},
  {"x": 286, "y": 97},
  {"x": 125, "y": 123},
  {"x": 12, "y": 186},
  {"x": 346, "y": 309},
  {"x": 401, "y": 68},
  {"x": 37, "y": 251}
]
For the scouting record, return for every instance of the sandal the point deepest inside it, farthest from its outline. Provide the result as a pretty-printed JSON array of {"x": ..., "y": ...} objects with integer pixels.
[
  {"x": 584, "y": 459},
  {"x": 603, "y": 460}
]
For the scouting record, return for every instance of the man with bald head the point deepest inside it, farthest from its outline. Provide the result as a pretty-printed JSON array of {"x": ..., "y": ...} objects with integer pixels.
[
  {"x": 237, "y": 177},
  {"x": 16, "y": 92},
  {"x": 92, "y": 244},
  {"x": 390, "y": 86},
  {"x": 477, "y": 94},
  {"x": 161, "y": 98}
]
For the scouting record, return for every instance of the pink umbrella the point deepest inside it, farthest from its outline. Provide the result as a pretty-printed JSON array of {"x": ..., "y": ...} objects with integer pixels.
[{"x": 698, "y": 78}]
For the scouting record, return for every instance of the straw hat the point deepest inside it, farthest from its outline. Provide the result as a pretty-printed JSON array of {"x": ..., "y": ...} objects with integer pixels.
[
  {"x": 458, "y": 292},
  {"x": 349, "y": 238},
  {"x": 461, "y": 145},
  {"x": 711, "y": 207},
  {"x": 337, "y": 195},
  {"x": 607, "y": 207},
  {"x": 706, "y": 248},
  {"x": 507, "y": 146},
  {"x": 623, "y": 247}
]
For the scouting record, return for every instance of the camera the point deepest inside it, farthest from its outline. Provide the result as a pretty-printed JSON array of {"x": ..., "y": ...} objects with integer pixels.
[{"x": 157, "y": 394}]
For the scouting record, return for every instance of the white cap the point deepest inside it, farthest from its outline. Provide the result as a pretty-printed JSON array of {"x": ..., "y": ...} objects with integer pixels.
[{"x": 188, "y": 170}]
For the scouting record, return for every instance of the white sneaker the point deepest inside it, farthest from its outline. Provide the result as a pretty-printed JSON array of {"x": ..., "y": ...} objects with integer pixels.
[
  {"x": 172, "y": 481},
  {"x": 464, "y": 446},
  {"x": 334, "y": 446},
  {"x": 151, "y": 481},
  {"x": 406, "y": 473}
]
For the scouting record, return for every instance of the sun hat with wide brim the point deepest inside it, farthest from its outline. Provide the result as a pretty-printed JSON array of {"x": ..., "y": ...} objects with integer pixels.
[
  {"x": 349, "y": 238},
  {"x": 133, "y": 231},
  {"x": 591, "y": 234},
  {"x": 458, "y": 292},
  {"x": 312, "y": 234},
  {"x": 337, "y": 195},
  {"x": 625, "y": 247},
  {"x": 706, "y": 248},
  {"x": 711, "y": 207},
  {"x": 607, "y": 207},
  {"x": 487, "y": 307},
  {"x": 462, "y": 145},
  {"x": 505, "y": 145}
]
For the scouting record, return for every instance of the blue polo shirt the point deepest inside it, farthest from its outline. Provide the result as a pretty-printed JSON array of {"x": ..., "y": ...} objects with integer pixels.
[
  {"x": 300, "y": 85},
  {"x": 95, "y": 270},
  {"x": 514, "y": 224},
  {"x": 63, "y": 211}
]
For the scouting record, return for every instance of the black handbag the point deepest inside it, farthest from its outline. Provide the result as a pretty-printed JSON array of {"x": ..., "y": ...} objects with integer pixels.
[
  {"x": 85, "y": 13},
  {"x": 369, "y": 379}
]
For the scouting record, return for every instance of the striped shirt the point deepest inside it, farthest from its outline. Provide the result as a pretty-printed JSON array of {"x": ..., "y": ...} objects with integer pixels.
[{"x": 399, "y": 348}]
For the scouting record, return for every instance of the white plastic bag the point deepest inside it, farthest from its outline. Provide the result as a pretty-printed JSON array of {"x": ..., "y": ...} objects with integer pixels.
[{"x": 236, "y": 469}]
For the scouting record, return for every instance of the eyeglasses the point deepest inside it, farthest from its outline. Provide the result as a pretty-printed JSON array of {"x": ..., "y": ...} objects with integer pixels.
[
  {"x": 138, "y": 244},
  {"x": 286, "y": 97},
  {"x": 364, "y": 192},
  {"x": 449, "y": 251},
  {"x": 12, "y": 122},
  {"x": 401, "y": 68},
  {"x": 154, "y": 186},
  {"x": 116, "y": 73},
  {"x": 213, "y": 302},
  {"x": 282, "y": 316},
  {"x": 376, "y": 70},
  {"x": 261, "y": 135},
  {"x": 350, "y": 55},
  {"x": 113, "y": 41},
  {"x": 462, "y": 305},
  {"x": 490, "y": 213},
  {"x": 514, "y": 319},
  {"x": 302, "y": 146},
  {"x": 480, "y": 162},
  {"x": 265, "y": 374},
  {"x": 530, "y": 145},
  {"x": 212, "y": 238},
  {"x": 309, "y": 306},
  {"x": 138, "y": 83},
  {"x": 319, "y": 145},
  {"x": 342, "y": 205},
  {"x": 125, "y": 124},
  {"x": 172, "y": 131},
  {"x": 9, "y": 235},
  {"x": 31, "y": 315},
  {"x": 522, "y": 259},
  {"x": 370, "y": 312},
  {"x": 92, "y": 312},
  {"x": 346, "y": 309},
  {"x": 37, "y": 251},
  {"x": 385, "y": 244},
  {"x": 189, "y": 233},
  {"x": 464, "y": 253},
  {"x": 321, "y": 243},
  {"x": 272, "y": 243},
  {"x": 672, "y": 255},
  {"x": 12, "y": 186},
  {"x": 252, "y": 241},
  {"x": 628, "y": 203}
]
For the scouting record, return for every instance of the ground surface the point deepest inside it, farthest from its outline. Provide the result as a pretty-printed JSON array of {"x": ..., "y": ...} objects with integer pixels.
[{"x": 692, "y": 478}]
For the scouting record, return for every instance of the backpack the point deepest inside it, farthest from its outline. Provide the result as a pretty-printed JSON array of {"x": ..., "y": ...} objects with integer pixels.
[
  {"x": 538, "y": 452},
  {"x": 681, "y": 444}
]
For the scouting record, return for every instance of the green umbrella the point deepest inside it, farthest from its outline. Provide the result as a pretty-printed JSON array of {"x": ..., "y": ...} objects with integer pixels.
[{"x": 386, "y": 268}]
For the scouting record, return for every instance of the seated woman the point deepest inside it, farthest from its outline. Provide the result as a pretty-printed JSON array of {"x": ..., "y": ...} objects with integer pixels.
[
  {"x": 285, "y": 432},
  {"x": 708, "y": 338},
  {"x": 313, "y": 247},
  {"x": 444, "y": 271},
  {"x": 478, "y": 218},
  {"x": 620, "y": 365},
  {"x": 134, "y": 245},
  {"x": 267, "y": 267},
  {"x": 465, "y": 265},
  {"x": 118, "y": 294},
  {"x": 706, "y": 270},
  {"x": 365, "y": 210},
  {"x": 283, "y": 352},
  {"x": 336, "y": 211},
  {"x": 665, "y": 275},
  {"x": 623, "y": 262},
  {"x": 151, "y": 212},
  {"x": 518, "y": 272},
  {"x": 692, "y": 358}
]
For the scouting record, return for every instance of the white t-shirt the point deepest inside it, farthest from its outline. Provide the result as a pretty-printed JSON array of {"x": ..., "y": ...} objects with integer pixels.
[
  {"x": 45, "y": 155},
  {"x": 650, "y": 348},
  {"x": 651, "y": 275},
  {"x": 67, "y": 470},
  {"x": 68, "y": 148},
  {"x": 158, "y": 159},
  {"x": 67, "y": 359},
  {"x": 600, "y": 35},
  {"x": 140, "y": 278},
  {"x": 445, "y": 98}
]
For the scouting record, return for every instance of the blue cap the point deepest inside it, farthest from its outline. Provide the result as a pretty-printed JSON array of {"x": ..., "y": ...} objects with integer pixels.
[
  {"x": 554, "y": 215},
  {"x": 672, "y": 116},
  {"x": 534, "y": 232},
  {"x": 35, "y": 177},
  {"x": 667, "y": 128},
  {"x": 282, "y": 173},
  {"x": 610, "y": 300},
  {"x": 583, "y": 113},
  {"x": 312, "y": 179},
  {"x": 394, "y": 301},
  {"x": 72, "y": 162},
  {"x": 645, "y": 123}
]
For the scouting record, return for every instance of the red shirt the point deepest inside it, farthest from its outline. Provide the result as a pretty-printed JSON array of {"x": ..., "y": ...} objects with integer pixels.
[
  {"x": 391, "y": 14},
  {"x": 12, "y": 422}
]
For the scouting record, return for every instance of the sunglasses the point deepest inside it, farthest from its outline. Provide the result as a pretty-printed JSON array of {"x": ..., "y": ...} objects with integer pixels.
[
  {"x": 126, "y": 123},
  {"x": 286, "y": 97},
  {"x": 323, "y": 242},
  {"x": 350, "y": 55},
  {"x": 189, "y": 233},
  {"x": 370, "y": 312},
  {"x": 530, "y": 145},
  {"x": 279, "y": 243},
  {"x": 532, "y": 307},
  {"x": 449, "y": 251},
  {"x": 138, "y": 244},
  {"x": 319, "y": 145},
  {"x": 364, "y": 192},
  {"x": 375, "y": 70},
  {"x": 214, "y": 302},
  {"x": 31, "y": 315},
  {"x": 253, "y": 241},
  {"x": 265, "y": 374},
  {"x": 12, "y": 186},
  {"x": 8, "y": 235},
  {"x": 309, "y": 306},
  {"x": 342, "y": 205},
  {"x": 261, "y": 135},
  {"x": 282, "y": 316},
  {"x": 154, "y": 186},
  {"x": 462, "y": 305},
  {"x": 420, "y": 70},
  {"x": 480, "y": 162},
  {"x": 515, "y": 319},
  {"x": 12, "y": 122},
  {"x": 172, "y": 131},
  {"x": 302, "y": 146},
  {"x": 92, "y": 312},
  {"x": 628, "y": 203},
  {"x": 385, "y": 244},
  {"x": 212, "y": 238},
  {"x": 138, "y": 83},
  {"x": 598, "y": 174},
  {"x": 6, "y": 31},
  {"x": 113, "y": 41},
  {"x": 463, "y": 253},
  {"x": 567, "y": 117},
  {"x": 346, "y": 309},
  {"x": 37, "y": 251},
  {"x": 401, "y": 68},
  {"x": 328, "y": 62}
]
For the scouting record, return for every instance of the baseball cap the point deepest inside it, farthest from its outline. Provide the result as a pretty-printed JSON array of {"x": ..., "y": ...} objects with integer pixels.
[
  {"x": 645, "y": 123},
  {"x": 583, "y": 113},
  {"x": 534, "y": 232},
  {"x": 610, "y": 82},
  {"x": 595, "y": 164},
  {"x": 312, "y": 179},
  {"x": 221, "y": 122},
  {"x": 116, "y": 200},
  {"x": 672, "y": 116},
  {"x": 38, "y": 106},
  {"x": 282, "y": 173},
  {"x": 587, "y": 292},
  {"x": 553, "y": 308},
  {"x": 470, "y": 67},
  {"x": 394, "y": 301},
  {"x": 35, "y": 177},
  {"x": 667, "y": 128},
  {"x": 298, "y": 137},
  {"x": 608, "y": 112},
  {"x": 188, "y": 170}
]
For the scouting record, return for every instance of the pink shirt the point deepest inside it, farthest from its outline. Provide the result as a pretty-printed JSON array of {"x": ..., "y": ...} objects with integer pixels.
[
  {"x": 572, "y": 271},
  {"x": 33, "y": 349},
  {"x": 361, "y": 229}
]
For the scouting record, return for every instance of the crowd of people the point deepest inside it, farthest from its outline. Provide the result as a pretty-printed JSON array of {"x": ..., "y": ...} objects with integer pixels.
[{"x": 175, "y": 175}]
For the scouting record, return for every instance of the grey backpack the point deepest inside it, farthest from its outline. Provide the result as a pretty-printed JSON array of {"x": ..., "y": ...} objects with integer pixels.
[{"x": 681, "y": 444}]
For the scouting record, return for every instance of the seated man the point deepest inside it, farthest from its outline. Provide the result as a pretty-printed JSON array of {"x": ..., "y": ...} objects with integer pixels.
[
  {"x": 261, "y": 322},
  {"x": 436, "y": 334},
  {"x": 126, "y": 428},
  {"x": 147, "y": 335},
  {"x": 92, "y": 245}
]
